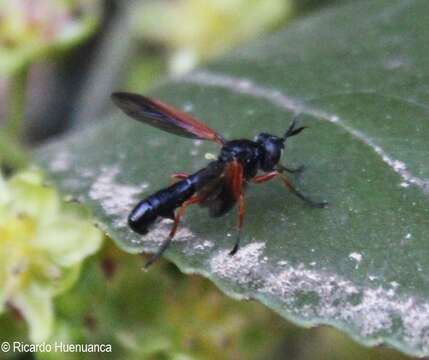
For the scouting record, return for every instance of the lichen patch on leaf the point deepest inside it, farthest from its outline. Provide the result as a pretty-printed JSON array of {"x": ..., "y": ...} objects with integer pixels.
[
  {"x": 243, "y": 267},
  {"x": 115, "y": 198}
]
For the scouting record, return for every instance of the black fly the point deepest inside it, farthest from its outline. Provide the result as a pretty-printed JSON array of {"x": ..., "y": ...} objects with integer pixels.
[{"x": 218, "y": 186}]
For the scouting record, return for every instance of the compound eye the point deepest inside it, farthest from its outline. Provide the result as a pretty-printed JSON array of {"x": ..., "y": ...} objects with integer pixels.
[{"x": 262, "y": 137}]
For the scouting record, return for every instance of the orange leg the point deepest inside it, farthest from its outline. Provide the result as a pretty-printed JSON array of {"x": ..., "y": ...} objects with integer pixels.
[
  {"x": 178, "y": 176},
  {"x": 193, "y": 200},
  {"x": 266, "y": 177},
  {"x": 270, "y": 175},
  {"x": 234, "y": 175}
]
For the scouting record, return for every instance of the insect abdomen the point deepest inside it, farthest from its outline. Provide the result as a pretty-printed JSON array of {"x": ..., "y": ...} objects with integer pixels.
[
  {"x": 162, "y": 203},
  {"x": 165, "y": 201}
]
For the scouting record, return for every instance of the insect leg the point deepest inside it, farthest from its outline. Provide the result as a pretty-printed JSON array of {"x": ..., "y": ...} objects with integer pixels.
[
  {"x": 270, "y": 175},
  {"x": 239, "y": 224},
  {"x": 293, "y": 190},
  {"x": 166, "y": 243},
  {"x": 297, "y": 170},
  {"x": 263, "y": 178},
  {"x": 178, "y": 176},
  {"x": 234, "y": 174}
]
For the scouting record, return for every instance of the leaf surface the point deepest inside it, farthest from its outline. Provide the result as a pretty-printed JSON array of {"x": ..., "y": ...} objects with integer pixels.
[{"x": 358, "y": 74}]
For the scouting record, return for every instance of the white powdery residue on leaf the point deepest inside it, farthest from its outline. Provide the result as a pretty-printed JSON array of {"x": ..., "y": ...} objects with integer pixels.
[
  {"x": 160, "y": 231},
  {"x": 116, "y": 199},
  {"x": 210, "y": 156},
  {"x": 290, "y": 284},
  {"x": 370, "y": 311},
  {"x": 356, "y": 256},
  {"x": 242, "y": 268},
  {"x": 206, "y": 244},
  {"x": 399, "y": 165},
  {"x": 188, "y": 107},
  {"x": 416, "y": 322},
  {"x": 144, "y": 185},
  {"x": 369, "y": 315},
  {"x": 394, "y": 284}
]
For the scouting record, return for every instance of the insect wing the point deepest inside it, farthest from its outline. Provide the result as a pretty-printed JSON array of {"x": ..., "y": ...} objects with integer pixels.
[
  {"x": 225, "y": 192},
  {"x": 164, "y": 117}
]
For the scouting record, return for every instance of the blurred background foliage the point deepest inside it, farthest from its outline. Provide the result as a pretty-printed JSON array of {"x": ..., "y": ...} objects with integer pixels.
[{"x": 58, "y": 64}]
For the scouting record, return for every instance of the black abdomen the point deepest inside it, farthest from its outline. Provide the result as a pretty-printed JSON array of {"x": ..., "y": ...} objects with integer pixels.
[
  {"x": 162, "y": 203},
  {"x": 165, "y": 201}
]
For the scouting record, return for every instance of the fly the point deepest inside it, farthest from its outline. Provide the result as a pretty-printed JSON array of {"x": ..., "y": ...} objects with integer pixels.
[{"x": 218, "y": 186}]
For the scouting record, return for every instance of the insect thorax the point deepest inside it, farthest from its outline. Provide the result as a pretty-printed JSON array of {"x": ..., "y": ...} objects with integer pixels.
[{"x": 245, "y": 151}]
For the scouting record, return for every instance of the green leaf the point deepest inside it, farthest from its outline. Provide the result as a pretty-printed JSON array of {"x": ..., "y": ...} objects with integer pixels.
[{"x": 358, "y": 74}]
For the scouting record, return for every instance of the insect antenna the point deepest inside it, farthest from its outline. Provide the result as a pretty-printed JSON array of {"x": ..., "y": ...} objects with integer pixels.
[{"x": 292, "y": 131}]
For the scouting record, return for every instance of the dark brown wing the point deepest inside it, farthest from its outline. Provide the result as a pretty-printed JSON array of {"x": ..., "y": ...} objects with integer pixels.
[
  {"x": 225, "y": 193},
  {"x": 164, "y": 117}
]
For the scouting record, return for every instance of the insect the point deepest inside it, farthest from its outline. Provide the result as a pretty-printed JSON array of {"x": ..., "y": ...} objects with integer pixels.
[{"x": 218, "y": 186}]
